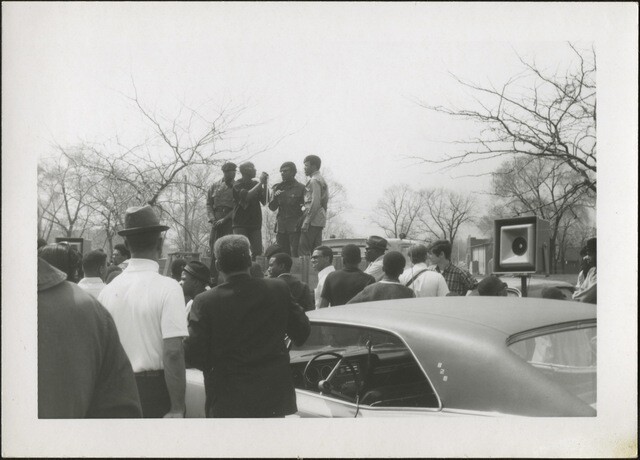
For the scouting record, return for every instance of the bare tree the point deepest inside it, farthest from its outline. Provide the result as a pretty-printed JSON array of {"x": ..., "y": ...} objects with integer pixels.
[
  {"x": 445, "y": 212},
  {"x": 399, "y": 210},
  {"x": 541, "y": 187},
  {"x": 540, "y": 114}
]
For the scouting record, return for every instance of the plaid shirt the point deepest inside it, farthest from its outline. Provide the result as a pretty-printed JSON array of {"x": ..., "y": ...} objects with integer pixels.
[{"x": 459, "y": 281}]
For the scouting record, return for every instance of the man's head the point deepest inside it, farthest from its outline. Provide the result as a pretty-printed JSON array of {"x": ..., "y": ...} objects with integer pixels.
[
  {"x": 63, "y": 257},
  {"x": 195, "y": 277},
  {"x": 552, "y": 292},
  {"x": 176, "y": 269},
  {"x": 229, "y": 171},
  {"x": 418, "y": 254},
  {"x": 589, "y": 255},
  {"x": 393, "y": 264},
  {"x": 271, "y": 250},
  {"x": 288, "y": 171},
  {"x": 143, "y": 232},
  {"x": 492, "y": 286},
  {"x": 375, "y": 247},
  {"x": 247, "y": 170},
  {"x": 120, "y": 254},
  {"x": 311, "y": 164},
  {"x": 351, "y": 256},
  {"x": 279, "y": 263},
  {"x": 440, "y": 251},
  {"x": 233, "y": 254},
  {"x": 321, "y": 258},
  {"x": 94, "y": 264}
]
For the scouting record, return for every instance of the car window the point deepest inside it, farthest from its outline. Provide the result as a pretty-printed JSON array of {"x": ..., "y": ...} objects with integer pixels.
[
  {"x": 377, "y": 368},
  {"x": 567, "y": 357}
]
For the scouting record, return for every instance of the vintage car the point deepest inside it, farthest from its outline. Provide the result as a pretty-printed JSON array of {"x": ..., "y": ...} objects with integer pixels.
[
  {"x": 448, "y": 356},
  {"x": 535, "y": 286}
]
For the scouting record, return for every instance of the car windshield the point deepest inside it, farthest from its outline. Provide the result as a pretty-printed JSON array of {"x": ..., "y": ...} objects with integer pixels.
[{"x": 568, "y": 357}]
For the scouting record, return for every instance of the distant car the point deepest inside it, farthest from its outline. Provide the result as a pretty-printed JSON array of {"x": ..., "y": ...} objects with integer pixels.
[
  {"x": 446, "y": 356},
  {"x": 393, "y": 244}
]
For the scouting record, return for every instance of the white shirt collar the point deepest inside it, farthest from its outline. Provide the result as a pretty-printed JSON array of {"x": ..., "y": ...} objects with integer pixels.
[
  {"x": 92, "y": 280},
  {"x": 326, "y": 270},
  {"x": 142, "y": 265}
]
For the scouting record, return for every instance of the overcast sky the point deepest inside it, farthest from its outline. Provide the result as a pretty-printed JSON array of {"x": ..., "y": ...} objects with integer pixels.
[
  {"x": 339, "y": 81},
  {"x": 335, "y": 80}
]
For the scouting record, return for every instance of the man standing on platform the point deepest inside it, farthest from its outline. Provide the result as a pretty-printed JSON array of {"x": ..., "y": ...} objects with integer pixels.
[
  {"x": 220, "y": 206},
  {"x": 247, "y": 215},
  {"x": 148, "y": 310},
  {"x": 288, "y": 199},
  {"x": 316, "y": 199}
]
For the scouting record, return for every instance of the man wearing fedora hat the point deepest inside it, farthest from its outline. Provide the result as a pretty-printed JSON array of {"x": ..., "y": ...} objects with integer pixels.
[
  {"x": 148, "y": 310},
  {"x": 586, "y": 289},
  {"x": 374, "y": 251},
  {"x": 220, "y": 205},
  {"x": 195, "y": 280}
]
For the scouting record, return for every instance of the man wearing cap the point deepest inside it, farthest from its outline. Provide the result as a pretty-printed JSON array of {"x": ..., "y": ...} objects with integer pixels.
[
  {"x": 148, "y": 310},
  {"x": 492, "y": 286},
  {"x": 316, "y": 200},
  {"x": 288, "y": 200},
  {"x": 247, "y": 215},
  {"x": 374, "y": 251},
  {"x": 586, "y": 289},
  {"x": 195, "y": 280},
  {"x": 220, "y": 204}
]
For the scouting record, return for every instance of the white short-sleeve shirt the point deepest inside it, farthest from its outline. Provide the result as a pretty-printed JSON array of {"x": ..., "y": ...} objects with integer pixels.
[
  {"x": 147, "y": 308},
  {"x": 322, "y": 275},
  {"x": 427, "y": 284}
]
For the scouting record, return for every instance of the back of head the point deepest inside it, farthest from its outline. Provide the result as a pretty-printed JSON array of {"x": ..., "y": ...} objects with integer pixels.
[
  {"x": 284, "y": 260},
  {"x": 553, "y": 292},
  {"x": 491, "y": 286},
  {"x": 93, "y": 261},
  {"x": 393, "y": 264},
  {"x": 141, "y": 242},
  {"x": 440, "y": 246},
  {"x": 233, "y": 253},
  {"x": 418, "y": 253},
  {"x": 176, "y": 268},
  {"x": 122, "y": 249},
  {"x": 326, "y": 252},
  {"x": 63, "y": 257},
  {"x": 313, "y": 160},
  {"x": 351, "y": 254}
]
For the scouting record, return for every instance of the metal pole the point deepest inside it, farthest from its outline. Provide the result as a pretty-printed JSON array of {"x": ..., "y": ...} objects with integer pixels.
[
  {"x": 523, "y": 285},
  {"x": 186, "y": 216}
]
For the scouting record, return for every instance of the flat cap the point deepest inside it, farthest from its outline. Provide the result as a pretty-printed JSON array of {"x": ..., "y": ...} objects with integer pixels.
[
  {"x": 376, "y": 242},
  {"x": 198, "y": 270}
]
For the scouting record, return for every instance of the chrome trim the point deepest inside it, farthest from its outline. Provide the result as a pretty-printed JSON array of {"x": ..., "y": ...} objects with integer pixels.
[
  {"x": 552, "y": 329},
  {"x": 341, "y": 323}
]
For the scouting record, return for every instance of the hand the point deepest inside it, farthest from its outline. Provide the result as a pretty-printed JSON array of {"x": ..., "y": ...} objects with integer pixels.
[
  {"x": 175, "y": 414},
  {"x": 218, "y": 223},
  {"x": 278, "y": 193}
]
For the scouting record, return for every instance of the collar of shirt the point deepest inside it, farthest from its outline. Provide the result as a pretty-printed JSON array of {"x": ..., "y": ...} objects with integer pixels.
[
  {"x": 390, "y": 282},
  {"x": 418, "y": 266},
  {"x": 325, "y": 271},
  {"x": 142, "y": 265},
  {"x": 91, "y": 280}
]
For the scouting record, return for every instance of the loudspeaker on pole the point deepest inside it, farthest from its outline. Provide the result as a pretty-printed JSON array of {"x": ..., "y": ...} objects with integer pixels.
[{"x": 521, "y": 245}]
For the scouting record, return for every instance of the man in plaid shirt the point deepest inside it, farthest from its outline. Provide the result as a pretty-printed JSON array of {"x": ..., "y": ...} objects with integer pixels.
[{"x": 459, "y": 281}]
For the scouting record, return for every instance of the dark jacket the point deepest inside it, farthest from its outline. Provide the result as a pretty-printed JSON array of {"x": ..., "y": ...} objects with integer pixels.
[
  {"x": 83, "y": 371},
  {"x": 289, "y": 205},
  {"x": 237, "y": 337},
  {"x": 300, "y": 291}
]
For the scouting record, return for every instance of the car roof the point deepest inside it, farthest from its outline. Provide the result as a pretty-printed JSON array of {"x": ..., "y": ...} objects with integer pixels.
[{"x": 489, "y": 315}]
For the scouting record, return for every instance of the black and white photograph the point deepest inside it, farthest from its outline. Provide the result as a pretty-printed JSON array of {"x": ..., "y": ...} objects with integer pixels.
[{"x": 340, "y": 230}]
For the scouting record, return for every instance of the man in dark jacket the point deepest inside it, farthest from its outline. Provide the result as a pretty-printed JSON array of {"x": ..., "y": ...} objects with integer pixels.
[
  {"x": 288, "y": 200},
  {"x": 83, "y": 371},
  {"x": 280, "y": 267},
  {"x": 237, "y": 338},
  {"x": 342, "y": 285}
]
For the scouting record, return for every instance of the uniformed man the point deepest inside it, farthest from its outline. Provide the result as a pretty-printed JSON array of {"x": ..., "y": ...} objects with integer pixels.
[
  {"x": 220, "y": 205},
  {"x": 288, "y": 200}
]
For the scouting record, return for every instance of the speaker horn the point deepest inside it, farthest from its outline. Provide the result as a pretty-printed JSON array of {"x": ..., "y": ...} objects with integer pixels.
[{"x": 521, "y": 245}]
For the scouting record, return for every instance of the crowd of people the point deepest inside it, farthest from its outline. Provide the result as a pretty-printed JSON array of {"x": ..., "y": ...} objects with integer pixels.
[{"x": 115, "y": 339}]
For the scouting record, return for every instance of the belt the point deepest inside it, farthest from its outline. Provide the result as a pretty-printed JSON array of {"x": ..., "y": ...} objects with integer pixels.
[{"x": 158, "y": 373}]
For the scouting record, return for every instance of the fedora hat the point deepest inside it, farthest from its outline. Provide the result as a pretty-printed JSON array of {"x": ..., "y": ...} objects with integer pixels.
[
  {"x": 141, "y": 219},
  {"x": 376, "y": 242}
]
